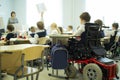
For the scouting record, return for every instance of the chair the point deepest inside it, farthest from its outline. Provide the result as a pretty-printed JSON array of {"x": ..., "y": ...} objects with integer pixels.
[
  {"x": 28, "y": 54},
  {"x": 112, "y": 46},
  {"x": 43, "y": 40},
  {"x": 93, "y": 39}
]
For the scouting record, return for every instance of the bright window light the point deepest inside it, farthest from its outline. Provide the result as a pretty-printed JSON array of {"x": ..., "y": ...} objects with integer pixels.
[
  {"x": 52, "y": 14},
  {"x": 106, "y": 10}
]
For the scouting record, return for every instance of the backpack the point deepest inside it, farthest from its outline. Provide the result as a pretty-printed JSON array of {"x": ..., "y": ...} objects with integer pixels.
[{"x": 59, "y": 55}]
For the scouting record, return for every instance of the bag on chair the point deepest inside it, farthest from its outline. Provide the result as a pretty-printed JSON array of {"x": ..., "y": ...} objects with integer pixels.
[{"x": 59, "y": 56}]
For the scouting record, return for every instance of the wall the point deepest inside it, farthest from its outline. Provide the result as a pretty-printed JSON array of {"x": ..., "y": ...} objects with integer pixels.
[
  {"x": 71, "y": 12},
  {"x": 20, "y": 9},
  {"x": 5, "y": 9}
]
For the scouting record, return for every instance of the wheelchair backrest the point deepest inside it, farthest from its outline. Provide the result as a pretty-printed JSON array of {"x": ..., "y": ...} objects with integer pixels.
[{"x": 92, "y": 32}]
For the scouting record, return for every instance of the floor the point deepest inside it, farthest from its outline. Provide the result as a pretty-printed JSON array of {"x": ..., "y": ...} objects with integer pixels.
[{"x": 44, "y": 75}]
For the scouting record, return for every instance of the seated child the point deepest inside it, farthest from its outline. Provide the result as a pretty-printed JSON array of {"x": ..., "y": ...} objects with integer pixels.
[
  {"x": 32, "y": 29},
  {"x": 54, "y": 29},
  {"x": 10, "y": 34},
  {"x": 70, "y": 29}
]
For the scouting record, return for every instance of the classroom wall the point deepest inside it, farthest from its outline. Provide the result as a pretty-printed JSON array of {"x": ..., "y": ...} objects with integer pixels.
[
  {"x": 20, "y": 9},
  {"x": 70, "y": 15},
  {"x": 5, "y": 8},
  {"x": 71, "y": 12}
]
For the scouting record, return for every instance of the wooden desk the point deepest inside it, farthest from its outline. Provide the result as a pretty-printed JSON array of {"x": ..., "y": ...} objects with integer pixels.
[
  {"x": 63, "y": 38},
  {"x": 19, "y": 41},
  {"x": 10, "y": 55},
  {"x": 2, "y": 42}
]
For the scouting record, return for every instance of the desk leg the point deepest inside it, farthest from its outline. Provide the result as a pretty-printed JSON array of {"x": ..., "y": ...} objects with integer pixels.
[{"x": 0, "y": 69}]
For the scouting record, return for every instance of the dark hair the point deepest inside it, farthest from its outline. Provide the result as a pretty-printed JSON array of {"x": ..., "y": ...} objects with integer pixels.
[
  {"x": 10, "y": 27},
  {"x": 115, "y": 25},
  {"x": 85, "y": 16},
  {"x": 13, "y": 12},
  {"x": 32, "y": 27},
  {"x": 40, "y": 25},
  {"x": 99, "y": 22},
  {"x": 70, "y": 26}
]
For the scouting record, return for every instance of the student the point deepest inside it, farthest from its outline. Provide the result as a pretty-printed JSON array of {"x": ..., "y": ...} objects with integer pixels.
[
  {"x": 41, "y": 30},
  {"x": 100, "y": 23},
  {"x": 40, "y": 33},
  {"x": 112, "y": 35},
  {"x": 69, "y": 29},
  {"x": 10, "y": 34},
  {"x": 54, "y": 29},
  {"x": 13, "y": 19},
  {"x": 84, "y": 18},
  {"x": 114, "y": 29},
  {"x": 32, "y": 30}
]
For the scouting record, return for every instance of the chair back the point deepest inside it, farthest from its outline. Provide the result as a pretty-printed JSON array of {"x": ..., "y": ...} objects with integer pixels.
[
  {"x": 43, "y": 40},
  {"x": 32, "y": 53},
  {"x": 92, "y": 31}
]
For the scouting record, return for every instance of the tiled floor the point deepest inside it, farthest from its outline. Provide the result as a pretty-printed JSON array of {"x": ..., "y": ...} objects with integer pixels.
[{"x": 44, "y": 75}]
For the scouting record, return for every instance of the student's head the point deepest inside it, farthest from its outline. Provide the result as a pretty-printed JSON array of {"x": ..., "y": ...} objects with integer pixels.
[
  {"x": 32, "y": 29},
  {"x": 115, "y": 26},
  {"x": 99, "y": 22},
  {"x": 53, "y": 26},
  {"x": 10, "y": 27},
  {"x": 69, "y": 28},
  {"x": 13, "y": 14},
  {"x": 84, "y": 17},
  {"x": 40, "y": 25}
]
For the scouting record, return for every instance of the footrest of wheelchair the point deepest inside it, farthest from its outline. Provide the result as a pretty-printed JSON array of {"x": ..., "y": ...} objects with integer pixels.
[{"x": 106, "y": 61}]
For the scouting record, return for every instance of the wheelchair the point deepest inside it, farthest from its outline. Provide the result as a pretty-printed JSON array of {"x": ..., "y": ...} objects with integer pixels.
[
  {"x": 90, "y": 56},
  {"x": 113, "y": 46}
]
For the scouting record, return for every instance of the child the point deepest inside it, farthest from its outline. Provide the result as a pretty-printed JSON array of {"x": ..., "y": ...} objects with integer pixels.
[
  {"x": 10, "y": 34},
  {"x": 70, "y": 29},
  {"x": 41, "y": 30},
  {"x": 32, "y": 29},
  {"x": 40, "y": 33},
  {"x": 54, "y": 29},
  {"x": 84, "y": 18},
  {"x": 100, "y": 23}
]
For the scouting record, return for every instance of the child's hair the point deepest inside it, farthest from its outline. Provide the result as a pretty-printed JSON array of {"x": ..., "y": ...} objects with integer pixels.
[
  {"x": 115, "y": 25},
  {"x": 13, "y": 12},
  {"x": 32, "y": 28},
  {"x": 10, "y": 27},
  {"x": 54, "y": 25},
  {"x": 40, "y": 25},
  {"x": 85, "y": 16},
  {"x": 99, "y": 22},
  {"x": 70, "y": 26}
]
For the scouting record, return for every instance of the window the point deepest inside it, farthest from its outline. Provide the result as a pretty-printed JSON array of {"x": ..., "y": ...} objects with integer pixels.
[
  {"x": 52, "y": 14},
  {"x": 106, "y": 10}
]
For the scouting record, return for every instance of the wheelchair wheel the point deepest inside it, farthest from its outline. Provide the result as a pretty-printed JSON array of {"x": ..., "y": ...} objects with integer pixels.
[
  {"x": 71, "y": 71},
  {"x": 92, "y": 72}
]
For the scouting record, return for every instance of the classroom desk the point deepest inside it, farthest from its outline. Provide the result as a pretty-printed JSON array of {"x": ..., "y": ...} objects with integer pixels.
[
  {"x": 63, "y": 38},
  {"x": 10, "y": 55},
  {"x": 2, "y": 42},
  {"x": 19, "y": 41}
]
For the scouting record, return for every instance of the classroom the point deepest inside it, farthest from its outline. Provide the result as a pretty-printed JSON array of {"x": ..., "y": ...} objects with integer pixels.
[{"x": 59, "y": 40}]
